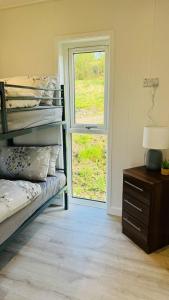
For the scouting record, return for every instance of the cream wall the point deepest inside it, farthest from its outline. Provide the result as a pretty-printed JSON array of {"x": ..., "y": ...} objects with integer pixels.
[{"x": 141, "y": 48}]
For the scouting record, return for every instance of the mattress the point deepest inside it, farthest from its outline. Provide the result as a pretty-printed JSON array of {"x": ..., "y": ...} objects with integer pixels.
[
  {"x": 52, "y": 185},
  {"x": 15, "y": 195},
  {"x": 49, "y": 189},
  {"x": 30, "y": 118}
]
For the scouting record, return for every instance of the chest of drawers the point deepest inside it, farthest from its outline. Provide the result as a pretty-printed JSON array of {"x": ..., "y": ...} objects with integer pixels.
[{"x": 145, "y": 217}]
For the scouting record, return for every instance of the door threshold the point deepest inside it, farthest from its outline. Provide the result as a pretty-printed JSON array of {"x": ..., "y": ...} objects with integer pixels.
[{"x": 86, "y": 202}]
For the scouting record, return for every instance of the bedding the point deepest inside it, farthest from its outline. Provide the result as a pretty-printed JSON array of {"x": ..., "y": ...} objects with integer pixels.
[
  {"x": 47, "y": 82},
  {"x": 32, "y": 118},
  {"x": 52, "y": 185},
  {"x": 54, "y": 153},
  {"x": 32, "y": 81},
  {"x": 31, "y": 163},
  {"x": 15, "y": 195},
  {"x": 50, "y": 83},
  {"x": 48, "y": 189},
  {"x": 22, "y": 103}
]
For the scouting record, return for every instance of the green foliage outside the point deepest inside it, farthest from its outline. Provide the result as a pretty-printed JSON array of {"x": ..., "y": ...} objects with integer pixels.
[
  {"x": 89, "y": 166},
  {"x": 89, "y": 65},
  {"x": 89, "y": 151},
  {"x": 89, "y": 101}
]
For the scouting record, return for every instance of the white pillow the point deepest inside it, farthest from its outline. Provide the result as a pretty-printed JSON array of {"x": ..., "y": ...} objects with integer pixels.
[
  {"x": 54, "y": 153},
  {"x": 33, "y": 81},
  {"x": 47, "y": 82},
  {"x": 52, "y": 83}
]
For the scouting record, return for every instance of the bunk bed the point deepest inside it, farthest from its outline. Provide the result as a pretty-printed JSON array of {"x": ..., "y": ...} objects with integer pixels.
[{"x": 20, "y": 121}]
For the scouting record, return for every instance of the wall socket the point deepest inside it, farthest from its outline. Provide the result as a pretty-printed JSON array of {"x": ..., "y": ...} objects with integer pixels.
[{"x": 151, "y": 82}]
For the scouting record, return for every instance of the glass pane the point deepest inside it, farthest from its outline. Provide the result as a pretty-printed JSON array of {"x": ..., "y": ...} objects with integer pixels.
[
  {"x": 89, "y": 166},
  {"x": 89, "y": 87}
]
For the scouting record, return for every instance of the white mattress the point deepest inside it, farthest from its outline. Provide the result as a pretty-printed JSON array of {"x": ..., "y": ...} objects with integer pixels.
[
  {"x": 31, "y": 118},
  {"x": 15, "y": 195},
  {"x": 48, "y": 189}
]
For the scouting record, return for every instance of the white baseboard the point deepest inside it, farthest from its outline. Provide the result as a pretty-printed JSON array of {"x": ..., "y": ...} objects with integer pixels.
[{"x": 115, "y": 211}]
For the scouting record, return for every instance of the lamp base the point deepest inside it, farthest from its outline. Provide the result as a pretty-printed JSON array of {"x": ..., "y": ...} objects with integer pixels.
[{"x": 154, "y": 160}]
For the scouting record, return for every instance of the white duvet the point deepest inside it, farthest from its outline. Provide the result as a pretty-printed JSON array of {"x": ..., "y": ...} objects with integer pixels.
[
  {"x": 48, "y": 82},
  {"x": 15, "y": 195},
  {"x": 15, "y": 92}
]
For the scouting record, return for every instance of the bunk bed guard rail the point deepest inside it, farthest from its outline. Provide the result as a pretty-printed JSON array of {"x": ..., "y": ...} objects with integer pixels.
[{"x": 4, "y": 99}]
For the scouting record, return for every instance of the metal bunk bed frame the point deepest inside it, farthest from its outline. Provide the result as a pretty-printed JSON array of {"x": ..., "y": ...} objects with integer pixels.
[{"x": 9, "y": 135}]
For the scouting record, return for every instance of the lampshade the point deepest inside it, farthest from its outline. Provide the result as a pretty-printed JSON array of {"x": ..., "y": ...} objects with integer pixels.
[{"x": 156, "y": 137}]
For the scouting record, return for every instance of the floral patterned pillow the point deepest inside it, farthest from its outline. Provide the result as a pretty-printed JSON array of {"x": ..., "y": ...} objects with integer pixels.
[{"x": 31, "y": 163}]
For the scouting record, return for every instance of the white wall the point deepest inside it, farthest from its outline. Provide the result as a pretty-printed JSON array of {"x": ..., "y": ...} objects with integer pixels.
[{"x": 141, "y": 48}]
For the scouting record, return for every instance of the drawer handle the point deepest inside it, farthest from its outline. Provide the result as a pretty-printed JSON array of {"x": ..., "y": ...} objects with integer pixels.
[
  {"x": 133, "y": 185},
  {"x": 134, "y": 206},
  {"x": 130, "y": 223}
]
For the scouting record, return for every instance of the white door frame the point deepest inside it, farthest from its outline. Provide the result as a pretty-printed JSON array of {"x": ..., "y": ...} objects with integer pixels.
[{"x": 64, "y": 46}]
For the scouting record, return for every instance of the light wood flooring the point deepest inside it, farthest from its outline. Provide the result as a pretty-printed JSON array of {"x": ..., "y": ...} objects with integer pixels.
[{"x": 80, "y": 254}]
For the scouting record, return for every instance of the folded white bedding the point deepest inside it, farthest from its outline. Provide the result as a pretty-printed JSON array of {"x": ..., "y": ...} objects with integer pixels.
[
  {"x": 15, "y": 195},
  {"x": 22, "y": 103},
  {"x": 46, "y": 82},
  {"x": 32, "y": 81}
]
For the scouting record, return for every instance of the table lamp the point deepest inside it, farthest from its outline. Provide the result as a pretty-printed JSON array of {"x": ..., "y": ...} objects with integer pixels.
[{"x": 155, "y": 139}]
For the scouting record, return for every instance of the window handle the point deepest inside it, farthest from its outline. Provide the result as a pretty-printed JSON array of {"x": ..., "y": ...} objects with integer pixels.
[{"x": 91, "y": 127}]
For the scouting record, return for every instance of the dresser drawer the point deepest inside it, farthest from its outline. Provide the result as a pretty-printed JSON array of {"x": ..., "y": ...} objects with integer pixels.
[
  {"x": 136, "y": 208},
  {"x": 134, "y": 229},
  {"x": 137, "y": 189}
]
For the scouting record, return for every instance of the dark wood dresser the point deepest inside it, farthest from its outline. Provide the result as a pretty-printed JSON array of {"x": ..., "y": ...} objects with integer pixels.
[{"x": 145, "y": 218}]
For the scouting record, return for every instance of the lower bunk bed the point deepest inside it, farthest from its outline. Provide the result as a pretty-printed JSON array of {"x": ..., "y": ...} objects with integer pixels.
[{"x": 52, "y": 188}]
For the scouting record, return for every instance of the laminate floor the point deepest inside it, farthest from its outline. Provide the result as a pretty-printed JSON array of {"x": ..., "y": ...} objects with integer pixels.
[{"x": 80, "y": 254}]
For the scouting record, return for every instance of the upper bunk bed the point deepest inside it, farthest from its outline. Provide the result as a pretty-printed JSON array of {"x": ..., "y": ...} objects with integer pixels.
[{"x": 26, "y": 108}]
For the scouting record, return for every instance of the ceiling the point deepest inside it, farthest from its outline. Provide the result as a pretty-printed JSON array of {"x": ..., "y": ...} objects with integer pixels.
[{"x": 15, "y": 3}]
